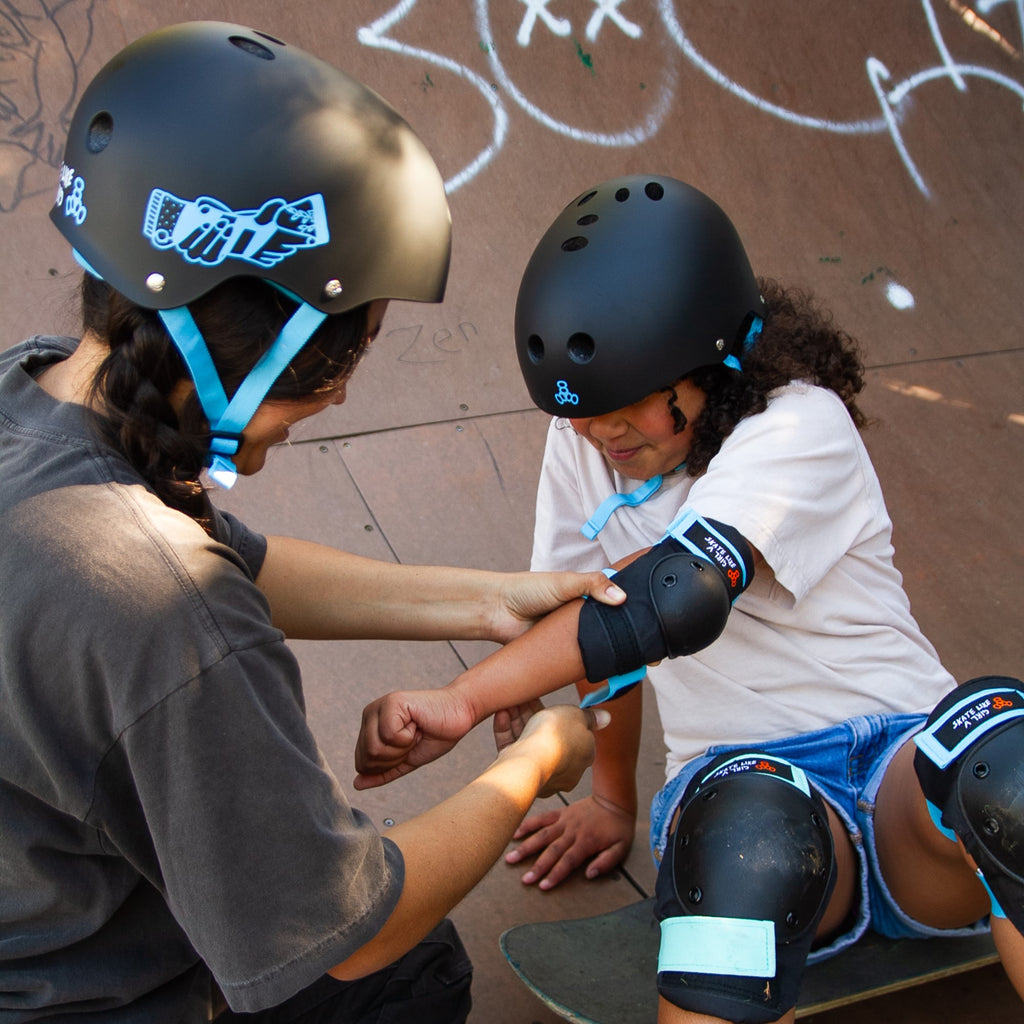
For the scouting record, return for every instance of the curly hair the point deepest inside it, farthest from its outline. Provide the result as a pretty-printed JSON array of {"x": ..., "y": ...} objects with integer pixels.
[
  {"x": 132, "y": 388},
  {"x": 799, "y": 341}
]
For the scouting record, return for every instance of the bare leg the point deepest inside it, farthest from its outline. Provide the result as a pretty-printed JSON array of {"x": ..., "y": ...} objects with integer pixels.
[
  {"x": 1010, "y": 944},
  {"x": 928, "y": 875},
  {"x": 669, "y": 1014},
  {"x": 932, "y": 878}
]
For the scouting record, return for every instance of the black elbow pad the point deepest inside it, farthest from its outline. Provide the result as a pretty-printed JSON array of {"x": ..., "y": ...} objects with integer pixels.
[{"x": 678, "y": 599}]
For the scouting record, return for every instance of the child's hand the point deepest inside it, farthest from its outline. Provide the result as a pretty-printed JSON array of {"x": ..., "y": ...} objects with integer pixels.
[
  {"x": 568, "y": 838},
  {"x": 406, "y": 729},
  {"x": 509, "y": 723}
]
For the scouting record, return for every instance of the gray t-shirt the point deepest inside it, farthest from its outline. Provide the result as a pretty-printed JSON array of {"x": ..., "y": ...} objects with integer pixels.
[{"x": 165, "y": 813}]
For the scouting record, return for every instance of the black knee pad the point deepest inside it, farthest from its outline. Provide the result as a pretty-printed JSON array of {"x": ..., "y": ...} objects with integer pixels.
[
  {"x": 744, "y": 882},
  {"x": 970, "y": 763}
]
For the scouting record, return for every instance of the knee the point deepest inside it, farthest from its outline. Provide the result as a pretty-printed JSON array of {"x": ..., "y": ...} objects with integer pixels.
[
  {"x": 970, "y": 764},
  {"x": 742, "y": 888}
]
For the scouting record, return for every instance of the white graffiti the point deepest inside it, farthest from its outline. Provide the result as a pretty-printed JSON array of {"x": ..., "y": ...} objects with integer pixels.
[
  {"x": 536, "y": 16},
  {"x": 539, "y": 9}
]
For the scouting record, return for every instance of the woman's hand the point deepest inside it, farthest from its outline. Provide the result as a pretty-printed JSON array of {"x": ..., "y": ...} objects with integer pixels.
[
  {"x": 525, "y": 597},
  {"x": 559, "y": 739},
  {"x": 568, "y": 838}
]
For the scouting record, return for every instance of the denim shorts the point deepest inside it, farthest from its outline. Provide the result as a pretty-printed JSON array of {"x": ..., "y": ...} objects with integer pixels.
[{"x": 846, "y": 762}]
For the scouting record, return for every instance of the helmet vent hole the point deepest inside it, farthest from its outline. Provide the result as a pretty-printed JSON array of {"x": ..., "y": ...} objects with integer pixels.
[
  {"x": 586, "y": 199},
  {"x": 622, "y": 195},
  {"x": 654, "y": 190},
  {"x": 574, "y": 244},
  {"x": 252, "y": 47},
  {"x": 590, "y": 218},
  {"x": 535, "y": 348},
  {"x": 271, "y": 39},
  {"x": 101, "y": 130},
  {"x": 581, "y": 348}
]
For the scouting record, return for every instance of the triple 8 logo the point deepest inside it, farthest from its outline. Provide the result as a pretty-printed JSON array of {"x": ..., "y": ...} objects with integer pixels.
[{"x": 563, "y": 396}]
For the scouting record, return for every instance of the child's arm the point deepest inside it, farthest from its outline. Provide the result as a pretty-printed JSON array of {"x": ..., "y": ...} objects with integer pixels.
[
  {"x": 681, "y": 596},
  {"x": 405, "y": 729}
]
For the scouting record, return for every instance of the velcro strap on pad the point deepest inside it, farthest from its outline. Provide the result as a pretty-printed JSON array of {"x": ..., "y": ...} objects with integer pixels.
[
  {"x": 717, "y": 945},
  {"x": 723, "y": 546},
  {"x": 967, "y": 721}
]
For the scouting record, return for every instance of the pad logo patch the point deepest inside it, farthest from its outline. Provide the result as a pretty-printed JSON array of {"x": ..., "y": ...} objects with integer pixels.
[
  {"x": 700, "y": 537},
  {"x": 943, "y": 740},
  {"x": 207, "y": 232},
  {"x": 759, "y": 764}
]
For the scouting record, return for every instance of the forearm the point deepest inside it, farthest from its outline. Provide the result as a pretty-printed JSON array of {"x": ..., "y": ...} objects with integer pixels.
[
  {"x": 447, "y": 851},
  {"x": 613, "y": 774},
  {"x": 318, "y": 592},
  {"x": 542, "y": 660}
]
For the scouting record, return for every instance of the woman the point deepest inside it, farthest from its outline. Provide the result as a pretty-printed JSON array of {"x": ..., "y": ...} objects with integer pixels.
[{"x": 172, "y": 837}]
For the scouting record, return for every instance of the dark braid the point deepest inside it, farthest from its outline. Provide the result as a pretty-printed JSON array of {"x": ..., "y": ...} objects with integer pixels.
[
  {"x": 799, "y": 341},
  {"x": 239, "y": 321}
]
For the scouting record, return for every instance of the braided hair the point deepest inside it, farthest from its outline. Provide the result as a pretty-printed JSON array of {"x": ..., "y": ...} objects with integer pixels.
[{"x": 239, "y": 320}]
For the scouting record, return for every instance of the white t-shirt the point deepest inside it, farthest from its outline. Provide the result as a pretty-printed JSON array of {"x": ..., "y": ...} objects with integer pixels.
[{"x": 823, "y": 633}]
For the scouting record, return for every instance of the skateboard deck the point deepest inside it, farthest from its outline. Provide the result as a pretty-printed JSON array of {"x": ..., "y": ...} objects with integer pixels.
[{"x": 601, "y": 970}]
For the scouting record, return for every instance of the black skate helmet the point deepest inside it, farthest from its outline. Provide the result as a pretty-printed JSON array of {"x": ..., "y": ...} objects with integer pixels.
[
  {"x": 206, "y": 151},
  {"x": 639, "y": 281}
]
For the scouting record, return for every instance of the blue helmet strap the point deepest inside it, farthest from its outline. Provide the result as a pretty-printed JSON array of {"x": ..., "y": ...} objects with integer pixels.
[
  {"x": 752, "y": 335},
  {"x": 599, "y": 520},
  {"x": 229, "y": 418}
]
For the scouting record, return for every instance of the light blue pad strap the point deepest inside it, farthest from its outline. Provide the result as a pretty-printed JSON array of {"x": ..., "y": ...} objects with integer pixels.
[
  {"x": 936, "y": 815},
  {"x": 697, "y": 535},
  {"x": 597, "y": 522},
  {"x": 950, "y": 735},
  {"x": 614, "y": 686},
  {"x": 997, "y": 910},
  {"x": 718, "y": 945}
]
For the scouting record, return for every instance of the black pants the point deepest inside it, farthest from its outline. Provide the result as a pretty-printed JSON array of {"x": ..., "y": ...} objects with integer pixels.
[{"x": 429, "y": 985}]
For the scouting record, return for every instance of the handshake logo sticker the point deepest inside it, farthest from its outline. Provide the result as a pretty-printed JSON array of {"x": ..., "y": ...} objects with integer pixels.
[{"x": 207, "y": 232}]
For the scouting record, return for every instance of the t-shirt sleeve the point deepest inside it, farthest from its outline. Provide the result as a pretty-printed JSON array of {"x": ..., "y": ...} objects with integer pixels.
[
  {"x": 249, "y": 545},
  {"x": 795, "y": 480},
  {"x": 558, "y": 543},
  {"x": 270, "y": 872}
]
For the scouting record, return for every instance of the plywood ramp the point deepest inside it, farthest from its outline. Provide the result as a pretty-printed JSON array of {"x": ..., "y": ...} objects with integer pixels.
[{"x": 870, "y": 152}]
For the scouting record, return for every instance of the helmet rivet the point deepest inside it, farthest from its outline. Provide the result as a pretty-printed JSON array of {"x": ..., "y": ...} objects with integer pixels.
[
  {"x": 156, "y": 282},
  {"x": 720, "y": 344},
  {"x": 333, "y": 288}
]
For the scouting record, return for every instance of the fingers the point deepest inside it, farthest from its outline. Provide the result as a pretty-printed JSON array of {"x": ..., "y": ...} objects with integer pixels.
[
  {"x": 585, "y": 834},
  {"x": 597, "y": 718},
  {"x": 602, "y": 589},
  {"x": 371, "y": 780}
]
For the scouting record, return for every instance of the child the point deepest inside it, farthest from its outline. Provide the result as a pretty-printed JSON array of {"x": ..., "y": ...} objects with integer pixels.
[{"x": 713, "y": 416}]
